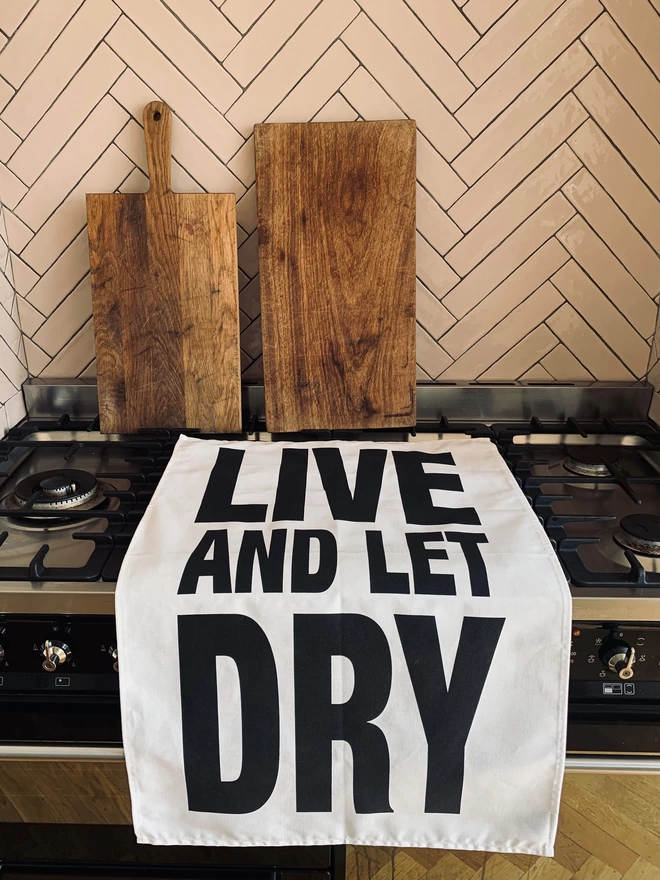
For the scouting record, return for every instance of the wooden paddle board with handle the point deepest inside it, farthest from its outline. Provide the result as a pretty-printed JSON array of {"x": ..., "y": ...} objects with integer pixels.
[
  {"x": 165, "y": 300},
  {"x": 336, "y": 220}
]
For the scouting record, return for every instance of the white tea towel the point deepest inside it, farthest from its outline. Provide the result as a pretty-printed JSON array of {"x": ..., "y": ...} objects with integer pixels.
[{"x": 343, "y": 642}]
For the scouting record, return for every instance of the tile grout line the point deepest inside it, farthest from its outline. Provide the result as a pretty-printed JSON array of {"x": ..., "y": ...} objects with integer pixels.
[
  {"x": 192, "y": 33},
  {"x": 492, "y": 24},
  {"x": 526, "y": 40},
  {"x": 621, "y": 154},
  {"x": 73, "y": 133},
  {"x": 568, "y": 258},
  {"x": 258, "y": 18},
  {"x": 58, "y": 307},
  {"x": 307, "y": 71},
  {"x": 339, "y": 91},
  {"x": 318, "y": 61},
  {"x": 66, "y": 85},
  {"x": 530, "y": 367},
  {"x": 632, "y": 45},
  {"x": 508, "y": 315},
  {"x": 602, "y": 339},
  {"x": 68, "y": 342},
  {"x": 535, "y": 251},
  {"x": 445, "y": 211},
  {"x": 574, "y": 40},
  {"x": 452, "y": 113},
  {"x": 81, "y": 228},
  {"x": 515, "y": 229},
  {"x": 170, "y": 61},
  {"x": 618, "y": 91},
  {"x": 455, "y": 61},
  {"x": 618, "y": 357},
  {"x": 75, "y": 184},
  {"x": 620, "y": 207},
  {"x": 593, "y": 280},
  {"x": 276, "y": 53},
  {"x": 270, "y": 60},
  {"x": 179, "y": 121},
  {"x": 64, "y": 27},
  {"x": 524, "y": 135},
  {"x": 600, "y": 238},
  {"x": 517, "y": 186}
]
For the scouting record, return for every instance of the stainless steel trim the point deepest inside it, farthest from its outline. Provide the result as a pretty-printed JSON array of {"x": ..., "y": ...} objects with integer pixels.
[
  {"x": 633, "y": 606},
  {"x": 61, "y": 753},
  {"x": 52, "y": 597},
  {"x": 647, "y": 764},
  {"x": 98, "y": 597},
  {"x": 514, "y": 401},
  {"x": 50, "y": 398},
  {"x": 519, "y": 401},
  {"x": 466, "y": 401}
]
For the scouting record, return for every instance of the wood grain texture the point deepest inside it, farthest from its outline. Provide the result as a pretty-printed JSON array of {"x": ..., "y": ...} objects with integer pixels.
[
  {"x": 94, "y": 793},
  {"x": 165, "y": 301},
  {"x": 609, "y": 829},
  {"x": 609, "y": 826},
  {"x": 336, "y": 220}
]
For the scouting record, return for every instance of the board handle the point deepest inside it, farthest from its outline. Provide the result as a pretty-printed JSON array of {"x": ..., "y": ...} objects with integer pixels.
[{"x": 157, "y": 120}]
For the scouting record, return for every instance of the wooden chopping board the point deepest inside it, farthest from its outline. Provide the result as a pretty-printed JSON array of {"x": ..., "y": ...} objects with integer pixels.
[
  {"x": 165, "y": 300},
  {"x": 336, "y": 219}
]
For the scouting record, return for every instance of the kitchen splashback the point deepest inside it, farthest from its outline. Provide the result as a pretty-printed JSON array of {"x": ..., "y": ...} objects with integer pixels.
[
  {"x": 13, "y": 369},
  {"x": 654, "y": 372},
  {"x": 538, "y": 158}
]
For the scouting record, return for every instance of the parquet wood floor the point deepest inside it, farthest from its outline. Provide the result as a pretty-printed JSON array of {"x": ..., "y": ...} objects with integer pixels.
[
  {"x": 609, "y": 826},
  {"x": 609, "y": 829}
]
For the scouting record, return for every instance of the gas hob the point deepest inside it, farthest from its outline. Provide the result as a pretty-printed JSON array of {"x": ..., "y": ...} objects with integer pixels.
[{"x": 71, "y": 499}]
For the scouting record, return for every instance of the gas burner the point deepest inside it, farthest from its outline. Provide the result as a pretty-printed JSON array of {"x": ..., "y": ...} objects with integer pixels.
[
  {"x": 591, "y": 461},
  {"x": 62, "y": 491},
  {"x": 58, "y": 490},
  {"x": 640, "y": 532}
]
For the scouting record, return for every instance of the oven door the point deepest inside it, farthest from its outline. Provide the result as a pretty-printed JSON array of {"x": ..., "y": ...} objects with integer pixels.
[
  {"x": 108, "y": 851},
  {"x": 61, "y": 759},
  {"x": 65, "y": 806}
]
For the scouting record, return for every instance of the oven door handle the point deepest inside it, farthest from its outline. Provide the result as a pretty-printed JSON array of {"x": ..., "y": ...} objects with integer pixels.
[
  {"x": 613, "y": 764},
  {"x": 610, "y": 764},
  {"x": 60, "y": 753}
]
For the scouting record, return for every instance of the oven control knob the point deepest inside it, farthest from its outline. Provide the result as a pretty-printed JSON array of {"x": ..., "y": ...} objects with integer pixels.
[
  {"x": 56, "y": 653},
  {"x": 619, "y": 658},
  {"x": 2, "y": 652},
  {"x": 113, "y": 653}
]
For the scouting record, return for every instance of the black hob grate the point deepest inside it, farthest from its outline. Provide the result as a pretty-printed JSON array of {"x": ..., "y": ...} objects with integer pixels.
[
  {"x": 583, "y": 512},
  {"x": 579, "y": 511}
]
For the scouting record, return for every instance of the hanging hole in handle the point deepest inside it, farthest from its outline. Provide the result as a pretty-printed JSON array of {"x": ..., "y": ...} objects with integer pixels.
[{"x": 157, "y": 116}]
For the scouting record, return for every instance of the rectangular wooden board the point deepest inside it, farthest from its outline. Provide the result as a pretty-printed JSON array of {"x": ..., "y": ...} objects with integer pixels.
[
  {"x": 336, "y": 220},
  {"x": 165, "y": 302}
]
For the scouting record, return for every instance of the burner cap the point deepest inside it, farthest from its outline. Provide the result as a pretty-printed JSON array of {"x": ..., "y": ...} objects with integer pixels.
[
  {"x": 645, "y": 526},
  {"x": 640, "y": 532},
  {"x": 57, "y": 485},
  {"x": 56, "y": 490},
  {"x": 590, "y": 461}
]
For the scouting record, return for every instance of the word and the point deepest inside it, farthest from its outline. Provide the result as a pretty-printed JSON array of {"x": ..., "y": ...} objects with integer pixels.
[{"x": 211, "y": 557}]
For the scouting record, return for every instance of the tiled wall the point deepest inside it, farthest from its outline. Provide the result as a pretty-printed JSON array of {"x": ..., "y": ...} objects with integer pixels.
[
  {"x": 538, "y": 157},
  {"x": 654, "y": 372},
  {"x": 13, "y": 367}
]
